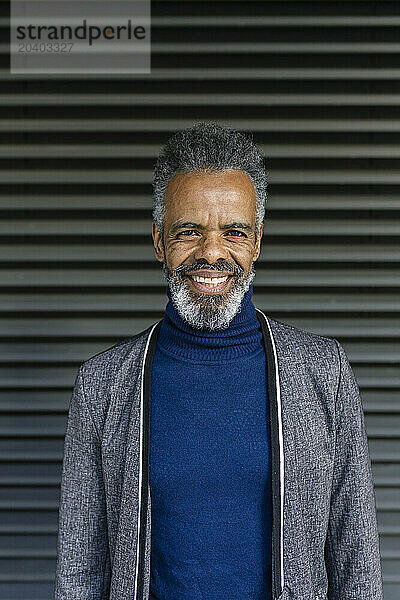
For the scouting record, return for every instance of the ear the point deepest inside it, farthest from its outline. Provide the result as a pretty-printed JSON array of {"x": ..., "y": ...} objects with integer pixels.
[
  {"x": 157, "y": 242},
  {"x": 257, "y": 249}
]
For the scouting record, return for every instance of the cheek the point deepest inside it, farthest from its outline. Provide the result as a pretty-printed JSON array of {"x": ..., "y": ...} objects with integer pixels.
[
  {"x": 244, "y": 251},
  {"x": 178, "y": 253}
]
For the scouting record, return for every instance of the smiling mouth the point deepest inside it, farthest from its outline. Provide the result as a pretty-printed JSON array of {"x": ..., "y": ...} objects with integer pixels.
[{"x": 210, "y": 284}]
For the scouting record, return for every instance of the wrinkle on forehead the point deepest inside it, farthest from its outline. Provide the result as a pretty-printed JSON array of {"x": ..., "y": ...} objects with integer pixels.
[{"x": 218, "y": 186}]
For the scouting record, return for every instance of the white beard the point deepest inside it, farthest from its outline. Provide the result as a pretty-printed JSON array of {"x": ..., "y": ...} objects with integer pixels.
[{"x": 206, "y": 311}]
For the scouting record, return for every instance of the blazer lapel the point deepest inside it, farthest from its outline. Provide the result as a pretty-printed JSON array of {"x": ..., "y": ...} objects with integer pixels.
[
  {"x": 127, "y": 456},
  {"x": 286, "y": 403},
  {"x": 277, "y": 454}
]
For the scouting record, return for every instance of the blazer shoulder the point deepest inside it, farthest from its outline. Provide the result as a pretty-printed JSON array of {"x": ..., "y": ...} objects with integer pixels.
[
  {"x": 308, "y": 345},
  {"x": 100, "y": 373},
  {"x": 300, "y": 335},
  {"x": 111, "y": 358},
  {"x": 312, "y": 353}
]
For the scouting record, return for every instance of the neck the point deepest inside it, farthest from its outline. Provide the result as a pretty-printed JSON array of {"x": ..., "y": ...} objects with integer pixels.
[{"x": 242, "y": 336}]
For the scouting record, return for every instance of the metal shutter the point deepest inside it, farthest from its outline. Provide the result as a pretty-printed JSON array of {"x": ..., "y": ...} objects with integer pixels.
[{"x": 319, "y": 85}]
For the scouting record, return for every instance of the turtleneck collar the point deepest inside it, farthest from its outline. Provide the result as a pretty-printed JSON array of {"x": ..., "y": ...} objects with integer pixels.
[{"x": 242, "y": 337}]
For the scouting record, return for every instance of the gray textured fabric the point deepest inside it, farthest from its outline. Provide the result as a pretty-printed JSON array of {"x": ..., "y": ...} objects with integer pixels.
[{"x": 329, "y": 535}]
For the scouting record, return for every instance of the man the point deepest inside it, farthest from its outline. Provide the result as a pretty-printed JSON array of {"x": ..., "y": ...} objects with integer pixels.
[{"x": 219, "y": 453}]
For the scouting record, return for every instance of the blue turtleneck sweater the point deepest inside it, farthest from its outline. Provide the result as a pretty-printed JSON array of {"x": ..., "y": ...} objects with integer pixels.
[{"x": 210, "y": 472}]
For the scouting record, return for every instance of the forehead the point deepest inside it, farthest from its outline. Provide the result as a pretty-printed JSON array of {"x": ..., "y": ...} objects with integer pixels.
[{"x": 211, "y": 189}]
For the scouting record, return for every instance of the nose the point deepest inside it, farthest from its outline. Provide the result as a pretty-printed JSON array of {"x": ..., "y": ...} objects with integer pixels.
[{"x": 212, "y": 248}]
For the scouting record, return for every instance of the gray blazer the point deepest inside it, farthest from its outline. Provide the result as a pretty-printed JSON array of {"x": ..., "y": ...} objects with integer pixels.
[{"x": 325, "y": 541}]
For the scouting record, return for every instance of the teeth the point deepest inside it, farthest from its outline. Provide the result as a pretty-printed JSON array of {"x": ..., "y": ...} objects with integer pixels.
[{"x": 212, "y": 282}]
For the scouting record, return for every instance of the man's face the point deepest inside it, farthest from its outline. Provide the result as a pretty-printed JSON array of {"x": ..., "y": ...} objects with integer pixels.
[{"x": 209, "y": 234}]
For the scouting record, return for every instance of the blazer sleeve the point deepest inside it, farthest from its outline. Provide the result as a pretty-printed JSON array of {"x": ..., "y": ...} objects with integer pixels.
[
  {"x": 82, "y": 546},
  {"x": 352, "y": 552}
]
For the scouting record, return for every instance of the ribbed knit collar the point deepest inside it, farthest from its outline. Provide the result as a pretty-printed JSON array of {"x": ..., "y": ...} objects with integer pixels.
[{"x": 242, "y": 337}]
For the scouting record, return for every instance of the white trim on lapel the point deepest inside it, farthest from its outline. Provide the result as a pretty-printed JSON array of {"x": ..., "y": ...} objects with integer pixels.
[
  {"x": 281, "y": 454},
  {"x": 141, "y": 457}
]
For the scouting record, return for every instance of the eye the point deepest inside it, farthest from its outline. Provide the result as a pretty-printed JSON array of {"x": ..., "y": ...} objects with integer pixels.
[
  {"x": 187, "y": 231},
  {"x": 237, "y": 231}
]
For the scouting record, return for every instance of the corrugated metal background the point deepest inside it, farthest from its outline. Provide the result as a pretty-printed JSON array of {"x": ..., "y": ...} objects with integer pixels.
[{"x": 319, "y": 84}]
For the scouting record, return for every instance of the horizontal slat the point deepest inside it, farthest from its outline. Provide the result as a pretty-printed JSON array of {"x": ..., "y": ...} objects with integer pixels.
[
  {"x": 278, "y": 48},
  {"x": 53, "y": 425},
  {"x": 26, "y": 278},
  {"x": 137, "y": 176},
  {"x": 30, "y": 501},
  {"x": 168, "y": 125},
  {"x": 276, "y": 202},
  {"x": 52, "y": 402},
  {"x": 111, "y": 328},
  {"x": 319, "y": 151},
  {"x": 118, "y": 227},
  {"x": 20, "y": 353},
  {"x": 267, "y": 48},
  {"x": 159, "y": 74},
  {"x": 159, "y": 99},
  {"x": 272, "y": 251},
  {"x": 242, "y": 21},
  {"x": 44, "y": 468},
  {"x": 316, "y": 20},
  {"x": 22, "y": 478},
  {"x": 282, "y": 301}
]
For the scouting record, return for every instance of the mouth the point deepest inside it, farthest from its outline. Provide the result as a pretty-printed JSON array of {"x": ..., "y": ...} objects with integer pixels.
[{"x": 210, "y": 283}]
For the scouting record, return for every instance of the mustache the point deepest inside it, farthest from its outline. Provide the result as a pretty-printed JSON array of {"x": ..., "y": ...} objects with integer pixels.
[{"x": 185, "y": 269}]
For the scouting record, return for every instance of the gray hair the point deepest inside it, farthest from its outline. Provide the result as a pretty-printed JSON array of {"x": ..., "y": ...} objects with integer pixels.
[{"x": 205, "y": 147}]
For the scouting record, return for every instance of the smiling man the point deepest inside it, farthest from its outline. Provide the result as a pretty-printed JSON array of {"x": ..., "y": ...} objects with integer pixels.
[{"x": 220, "y": 454}]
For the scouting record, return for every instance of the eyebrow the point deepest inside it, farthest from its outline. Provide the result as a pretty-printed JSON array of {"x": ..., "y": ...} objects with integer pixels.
[
  {"x": 190, "y": 224},
  {"x": 235, "y": 225}
]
